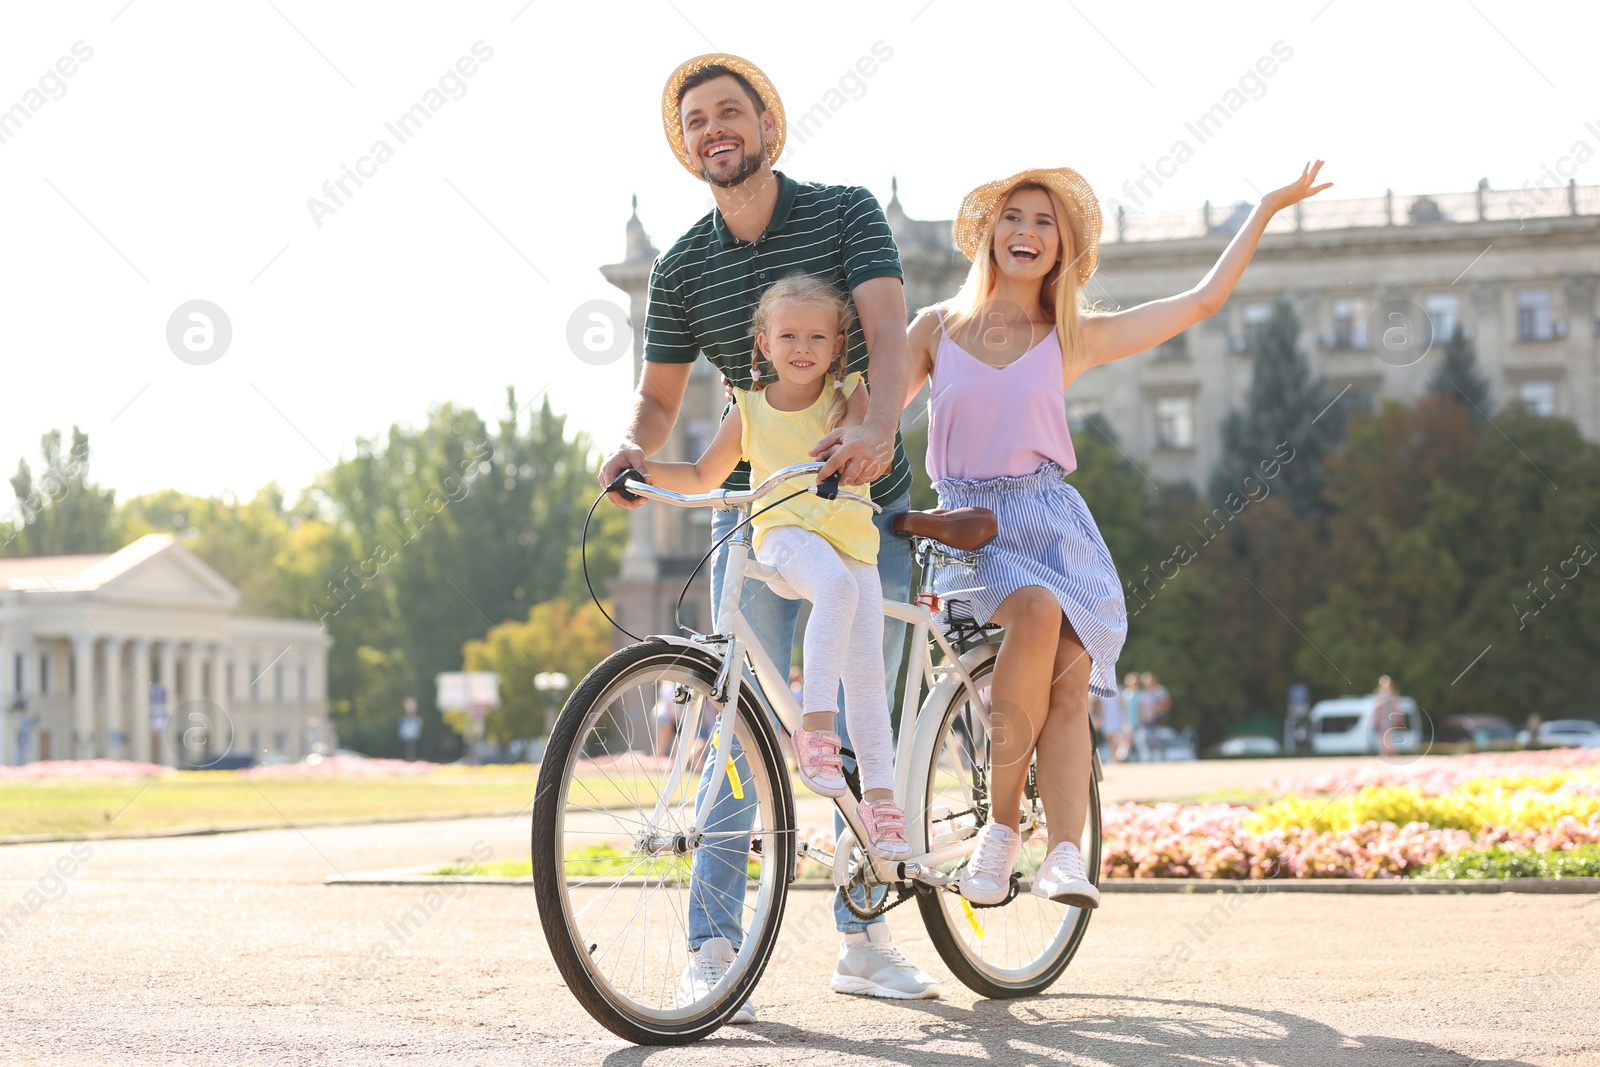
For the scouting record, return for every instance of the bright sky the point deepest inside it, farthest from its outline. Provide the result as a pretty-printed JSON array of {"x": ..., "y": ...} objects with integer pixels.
[{"x": 175, "y": 164}]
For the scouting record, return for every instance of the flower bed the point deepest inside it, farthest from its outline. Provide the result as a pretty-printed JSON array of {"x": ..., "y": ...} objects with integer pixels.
[{"x": 1374, "y": 821}]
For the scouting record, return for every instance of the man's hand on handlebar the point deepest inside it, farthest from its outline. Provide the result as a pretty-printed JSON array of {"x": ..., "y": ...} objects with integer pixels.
[{"x": 627, "y": 456}]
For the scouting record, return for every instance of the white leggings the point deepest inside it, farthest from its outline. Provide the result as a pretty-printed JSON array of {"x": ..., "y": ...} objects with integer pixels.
[{"x": 843, "y": 640}]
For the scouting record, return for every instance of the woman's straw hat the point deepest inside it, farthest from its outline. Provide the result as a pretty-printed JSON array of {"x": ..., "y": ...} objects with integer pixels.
[
  {"x": 1083, "y": 212},
  {"x": 745, "y": 69}
]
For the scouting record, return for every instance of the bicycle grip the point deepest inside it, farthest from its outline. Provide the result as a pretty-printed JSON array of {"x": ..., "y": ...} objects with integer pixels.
[
  {"x": 828, "y": 488},
  {"x": 619, "y": 483}
]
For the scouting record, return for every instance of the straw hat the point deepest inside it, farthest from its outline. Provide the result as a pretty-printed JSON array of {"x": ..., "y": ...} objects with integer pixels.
[
  {"x": 745, "y": 69},
  {"x": 1083, "y": 212}
]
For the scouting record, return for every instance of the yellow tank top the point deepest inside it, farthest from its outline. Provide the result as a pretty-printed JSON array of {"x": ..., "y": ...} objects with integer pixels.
[{"x": 773, "y": 440}]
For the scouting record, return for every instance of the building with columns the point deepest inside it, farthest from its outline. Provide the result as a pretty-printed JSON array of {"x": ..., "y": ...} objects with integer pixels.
[
  {"x": 83, "y": 639},
  {"x": 1519, "y": 270}
]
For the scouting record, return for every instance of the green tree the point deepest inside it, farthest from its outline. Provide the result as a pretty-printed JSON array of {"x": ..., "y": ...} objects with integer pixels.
[
  {"x": 1448, "y": 543},
  {"x": 457, "y": 526},
  {"x": 61, "y": 512},
  {"x": 1119, "y": 492},
  {"x": 557, "y": 637},
  {"x": 1457, "y": 375},
  {"x": 1286, "y": 407}
]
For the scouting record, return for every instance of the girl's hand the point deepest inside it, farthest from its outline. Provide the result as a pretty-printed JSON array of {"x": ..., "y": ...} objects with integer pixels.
[{"x": 1296, "y": 191}]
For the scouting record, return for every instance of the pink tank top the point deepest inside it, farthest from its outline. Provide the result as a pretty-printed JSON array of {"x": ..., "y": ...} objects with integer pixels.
[{"x": 995, "y": 422}]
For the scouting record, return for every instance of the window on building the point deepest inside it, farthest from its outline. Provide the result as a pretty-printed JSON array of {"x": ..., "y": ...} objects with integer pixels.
[
  {"x": 1444, "y": 314},
  {"x": 1533, "y": 315},
  {"x": 44, "y": 674},
  {"x": 1079, "y": 412},
  {"x": 278, "y": 691},
  {"x": 255, "y": 681},
  {"x": 1256, "y": 317},
  {"x": 305, "y": 682},
  {"x": 1175, "y": 422},
  {"x": 1538, "y": 397},
  {"x": 1174, "y": 347},
  {"x": 1349, "y": 323}
]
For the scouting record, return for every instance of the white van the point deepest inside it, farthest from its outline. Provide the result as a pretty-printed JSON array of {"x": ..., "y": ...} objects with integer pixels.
[{"x": 1344, "y": 727}]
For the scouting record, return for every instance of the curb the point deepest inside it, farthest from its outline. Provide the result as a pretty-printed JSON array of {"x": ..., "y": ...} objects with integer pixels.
[
  {"x": 1357, "y": 886},
  {"x": 245, "y": 828}
]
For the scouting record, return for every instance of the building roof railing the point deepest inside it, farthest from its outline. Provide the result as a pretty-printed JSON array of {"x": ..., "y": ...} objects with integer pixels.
[{"x": 1481, "y": 204}]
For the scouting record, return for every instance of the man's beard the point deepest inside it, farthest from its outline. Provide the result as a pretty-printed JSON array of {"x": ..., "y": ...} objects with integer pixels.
[{"x": 747, "y": 167}]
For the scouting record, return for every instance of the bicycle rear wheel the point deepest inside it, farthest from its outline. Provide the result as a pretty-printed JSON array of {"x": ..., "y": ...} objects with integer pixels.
[
  {"x": 615, "y": 867},
  {"x": 1021, "y": 947}
]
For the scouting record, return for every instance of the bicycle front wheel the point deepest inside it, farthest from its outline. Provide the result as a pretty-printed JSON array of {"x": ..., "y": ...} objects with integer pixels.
[
  {"x": 621, "y": 878},
  {"x": 1021, "y": 947}
]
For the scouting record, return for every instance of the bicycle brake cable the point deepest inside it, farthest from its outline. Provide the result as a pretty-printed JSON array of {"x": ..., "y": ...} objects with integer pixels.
[{"x": 677, "y": 609}]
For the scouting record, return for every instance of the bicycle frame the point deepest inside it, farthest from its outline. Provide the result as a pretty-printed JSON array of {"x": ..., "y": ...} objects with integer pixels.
[{"x": 740, "y": 640}]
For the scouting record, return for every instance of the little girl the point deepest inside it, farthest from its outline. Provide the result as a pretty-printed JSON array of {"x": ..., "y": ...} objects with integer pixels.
[
  {"x": 1001, "y": 354},
  {"x": 825, "y": 551}
]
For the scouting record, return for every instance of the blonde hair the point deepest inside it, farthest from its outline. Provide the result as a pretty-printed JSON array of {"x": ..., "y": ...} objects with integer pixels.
[
  {"x": 1067, "y": 307},
  {"x": 802, "y": 288}
]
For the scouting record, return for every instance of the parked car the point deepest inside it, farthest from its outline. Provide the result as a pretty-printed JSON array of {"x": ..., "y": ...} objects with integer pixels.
[
  {"x": 1571, "y": 733},
  {"x": 1249, "y": 745},
  {"x": 1479, "y": 730},
  {"x": 1171, "y": 745},
  {"x": 1344, "y": 727}
]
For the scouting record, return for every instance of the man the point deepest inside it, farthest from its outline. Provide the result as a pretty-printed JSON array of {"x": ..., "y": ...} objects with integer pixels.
[
  {"x": 726, "y": 124},
  {"x": 1154, "y": 703}
]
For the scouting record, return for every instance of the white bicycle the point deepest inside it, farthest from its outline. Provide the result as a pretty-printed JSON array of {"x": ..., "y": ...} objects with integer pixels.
[{"x": 619, "y": 832}]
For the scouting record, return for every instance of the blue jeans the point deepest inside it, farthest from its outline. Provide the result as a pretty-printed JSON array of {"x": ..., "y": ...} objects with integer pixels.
[{"x": 716, "y": 898}]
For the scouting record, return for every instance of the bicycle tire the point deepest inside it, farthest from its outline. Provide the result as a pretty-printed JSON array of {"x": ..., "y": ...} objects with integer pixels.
[
  {"x": 550, "y": 880},
  {"x": 937, "y": 906}
]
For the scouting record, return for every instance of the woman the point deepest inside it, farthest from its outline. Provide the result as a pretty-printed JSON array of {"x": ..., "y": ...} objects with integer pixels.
[{"x": 1001, "y": 354}]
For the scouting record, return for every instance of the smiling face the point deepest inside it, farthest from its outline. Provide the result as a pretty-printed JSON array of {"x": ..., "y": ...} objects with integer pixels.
[
  {"x": 724, "y": 135},
  {"x": 1027, "y": 236},
  {"x": 801, "y": 341}
]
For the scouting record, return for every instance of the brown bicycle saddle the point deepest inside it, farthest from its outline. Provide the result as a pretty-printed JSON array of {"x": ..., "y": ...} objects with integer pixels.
[{"x": 964, "y": 529}]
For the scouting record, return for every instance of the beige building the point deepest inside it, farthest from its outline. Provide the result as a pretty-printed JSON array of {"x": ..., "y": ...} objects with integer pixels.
[
  {"x": 87, "y": 642},
  {"x": 1519, "y": 270}
]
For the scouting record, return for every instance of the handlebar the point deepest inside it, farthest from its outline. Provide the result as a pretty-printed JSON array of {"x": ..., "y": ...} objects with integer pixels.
[{"x": 630, "y": 485}]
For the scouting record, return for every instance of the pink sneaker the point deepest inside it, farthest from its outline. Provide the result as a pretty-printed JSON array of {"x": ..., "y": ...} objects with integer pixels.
[
  {"x": 986, "y": 879},
  {"x": 821, "y": 767},
  {"x": 885, "y": 825}
]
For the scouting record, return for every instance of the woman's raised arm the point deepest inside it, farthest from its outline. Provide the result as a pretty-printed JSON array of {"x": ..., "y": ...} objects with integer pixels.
[{"x": 1122, "y": 333}]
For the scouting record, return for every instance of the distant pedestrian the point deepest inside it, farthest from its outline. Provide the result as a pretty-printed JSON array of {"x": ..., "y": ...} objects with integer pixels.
[
  {"x": 1387, "y": 716},
  {"x": 1107, "y": 714},
  {"x": 1154, "y": 703},
  {"x": 1133, "y": 717}
]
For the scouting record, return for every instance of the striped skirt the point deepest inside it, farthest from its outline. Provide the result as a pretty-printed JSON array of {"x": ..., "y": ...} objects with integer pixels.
[{"x": 1047, "y": 538}]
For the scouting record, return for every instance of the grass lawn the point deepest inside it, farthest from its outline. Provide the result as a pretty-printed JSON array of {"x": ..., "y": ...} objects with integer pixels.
[{"x": 216, "y": 799}]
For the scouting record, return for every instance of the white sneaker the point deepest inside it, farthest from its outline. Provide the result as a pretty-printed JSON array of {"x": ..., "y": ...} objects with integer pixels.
[
  {"x": 706, "y": 968},
  {"x": 870, "y": 965},
  {"x": 1062, "y": 878},
  {"x": 987, "y": 876}
]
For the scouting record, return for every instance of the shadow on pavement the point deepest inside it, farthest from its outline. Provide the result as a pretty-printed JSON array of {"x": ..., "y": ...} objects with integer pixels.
[{"x": 1141, "y": 1031}]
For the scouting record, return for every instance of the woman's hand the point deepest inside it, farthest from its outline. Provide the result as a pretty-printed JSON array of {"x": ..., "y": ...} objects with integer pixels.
[{"x": 1296, "y": 191}]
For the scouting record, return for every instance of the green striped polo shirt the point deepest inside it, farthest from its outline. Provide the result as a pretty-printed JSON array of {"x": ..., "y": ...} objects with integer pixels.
[{"x": 704, "y": 289}]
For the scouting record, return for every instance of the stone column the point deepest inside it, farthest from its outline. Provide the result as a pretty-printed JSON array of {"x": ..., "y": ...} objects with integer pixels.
[
  {"x": 225, "y": 730},
  {"x": 115, "y": 720},
  {"x": 139, "y": 708},
  {"x": 192, "y": 691},
  {"x": 169, "y": 679},
  {"x": 23, "y": 645},
  {"x": 8, "y": 688},
  {"x": 82, "y": 746}
]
